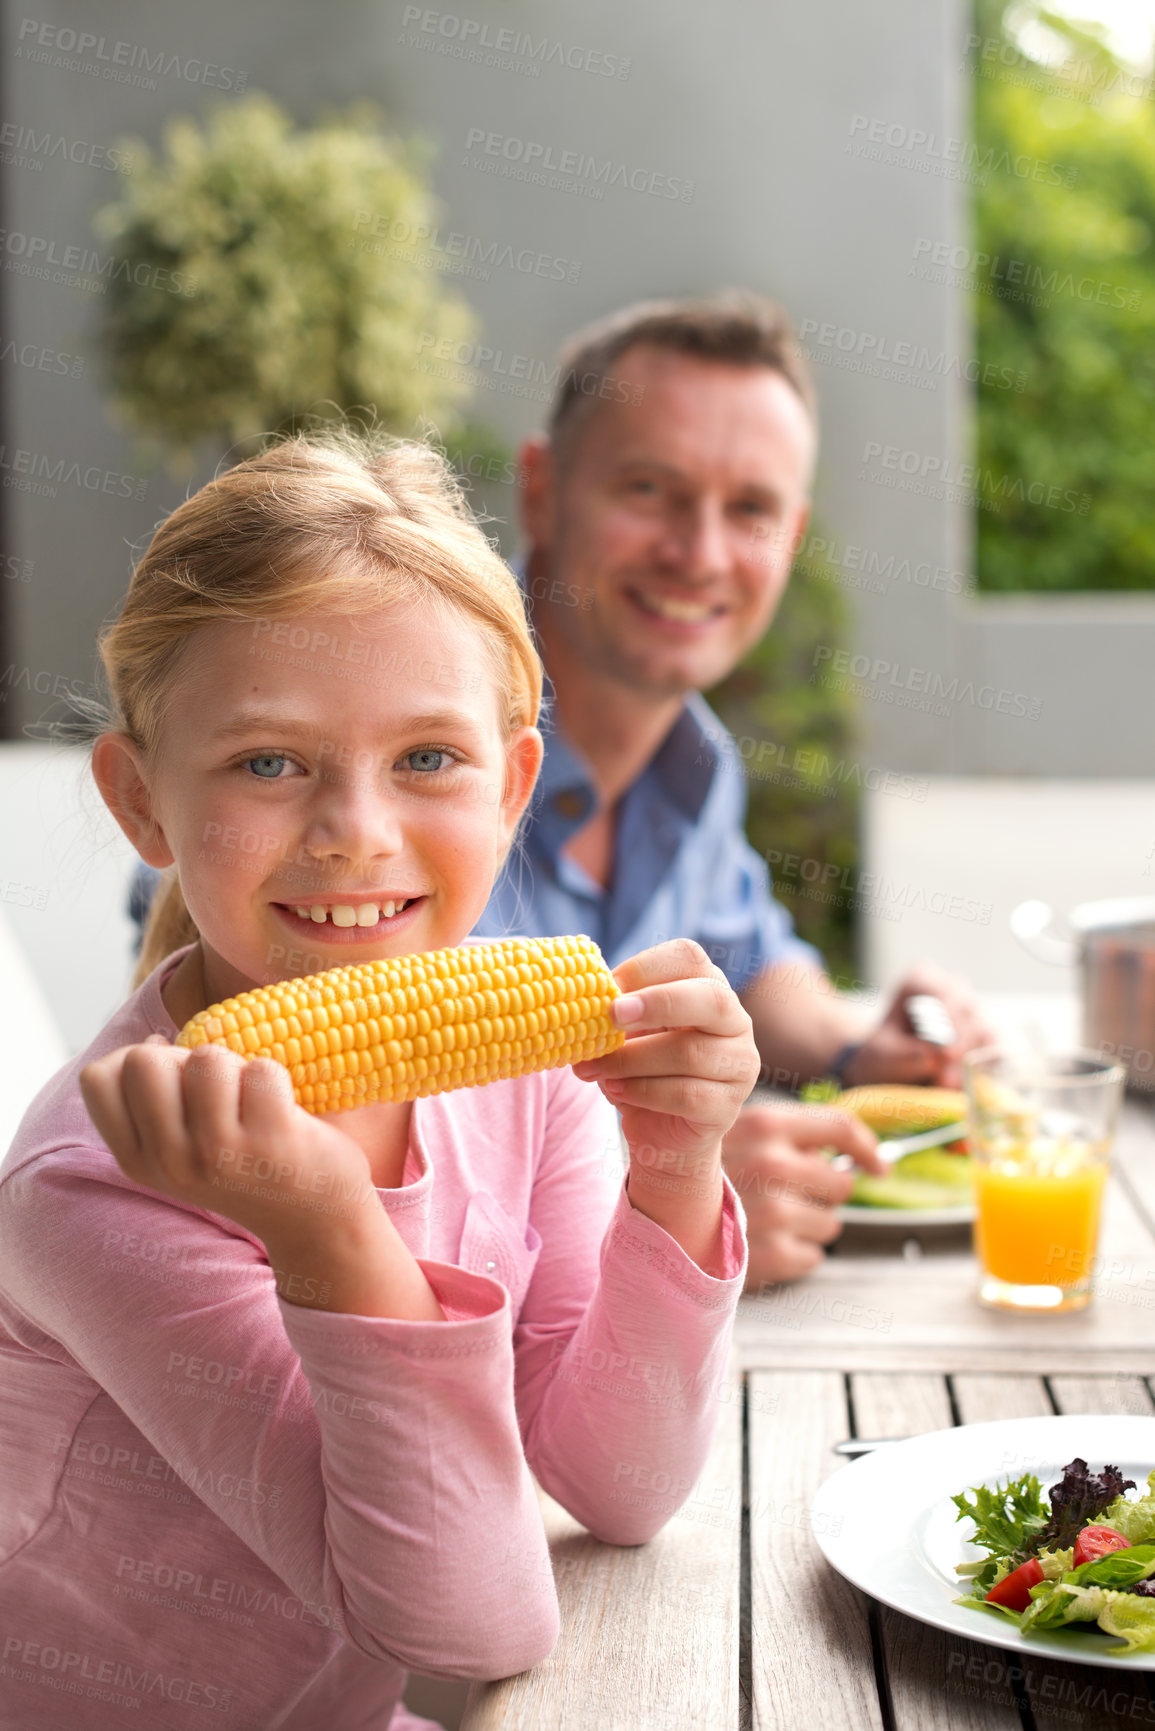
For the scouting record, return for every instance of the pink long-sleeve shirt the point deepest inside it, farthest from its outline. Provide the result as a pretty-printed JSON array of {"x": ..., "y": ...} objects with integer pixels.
[{"x": 221, "y": 1508}]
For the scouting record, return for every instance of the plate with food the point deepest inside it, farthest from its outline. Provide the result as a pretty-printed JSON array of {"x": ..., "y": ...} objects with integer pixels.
[
  {"x": 1036, "y": 1535},
  {"x": 931, "y": 1185}
]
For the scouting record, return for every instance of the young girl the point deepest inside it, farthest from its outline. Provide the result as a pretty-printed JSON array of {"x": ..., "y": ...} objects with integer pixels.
[{"x": 272, "y": 1385}]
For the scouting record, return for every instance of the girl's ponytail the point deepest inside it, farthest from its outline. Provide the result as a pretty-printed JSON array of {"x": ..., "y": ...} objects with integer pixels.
[{"x": 170, "y": 927}]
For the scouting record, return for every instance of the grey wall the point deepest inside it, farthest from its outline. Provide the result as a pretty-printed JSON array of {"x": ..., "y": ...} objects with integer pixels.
[{"x": 768, "y": 109}]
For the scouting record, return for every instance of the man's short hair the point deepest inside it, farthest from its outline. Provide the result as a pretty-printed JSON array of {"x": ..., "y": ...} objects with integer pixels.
[{"x": 735, "y": 328}]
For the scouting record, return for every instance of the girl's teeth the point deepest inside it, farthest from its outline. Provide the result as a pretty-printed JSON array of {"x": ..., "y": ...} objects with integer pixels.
[{"x": 345, "y": 914}]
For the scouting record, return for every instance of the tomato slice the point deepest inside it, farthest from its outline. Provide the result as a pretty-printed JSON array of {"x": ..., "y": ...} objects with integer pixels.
[
  {"x": 1095, "y": 1542},
  {"x": 1015, "y": 1591}
]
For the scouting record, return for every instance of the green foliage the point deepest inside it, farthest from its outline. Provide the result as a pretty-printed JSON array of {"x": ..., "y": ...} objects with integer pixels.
[
  {"x": 1070, "y": 306},
  {"x": 290, "y": 305},
  {"x": 797, "y": 739}
]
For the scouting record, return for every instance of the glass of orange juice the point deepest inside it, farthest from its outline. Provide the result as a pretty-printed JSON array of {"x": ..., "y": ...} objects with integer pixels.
[{"x": 1040, "y": 1131}]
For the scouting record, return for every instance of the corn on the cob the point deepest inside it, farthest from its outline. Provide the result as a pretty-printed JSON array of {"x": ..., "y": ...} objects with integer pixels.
[
  {"x": 892, "y": 1109},
  {"x": 415, "y": 1025}
]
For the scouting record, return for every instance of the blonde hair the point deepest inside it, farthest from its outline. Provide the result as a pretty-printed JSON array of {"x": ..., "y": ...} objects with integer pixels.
[{"x": 340, "y": 522}]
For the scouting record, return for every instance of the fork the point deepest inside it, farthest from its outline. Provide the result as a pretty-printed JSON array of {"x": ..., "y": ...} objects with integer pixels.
[{"x": 930, "y": 1019}]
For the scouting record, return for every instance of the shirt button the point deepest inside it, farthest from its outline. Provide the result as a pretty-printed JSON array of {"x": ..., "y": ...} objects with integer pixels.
[{"x": 570, "y": 803}]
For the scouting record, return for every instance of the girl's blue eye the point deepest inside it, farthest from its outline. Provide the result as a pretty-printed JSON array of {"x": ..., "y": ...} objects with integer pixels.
[
  {"x": 268, "y": 767},
  {"x": 426, "y": 760}
]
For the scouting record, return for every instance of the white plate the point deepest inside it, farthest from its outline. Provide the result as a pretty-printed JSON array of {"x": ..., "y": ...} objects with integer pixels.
[
  {"x": 887, "y": 1523},
  {"x": 852, "y": 1214}
]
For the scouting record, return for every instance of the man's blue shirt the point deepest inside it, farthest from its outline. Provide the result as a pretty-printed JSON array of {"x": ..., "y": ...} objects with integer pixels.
[{"x": 682, "y": 867}]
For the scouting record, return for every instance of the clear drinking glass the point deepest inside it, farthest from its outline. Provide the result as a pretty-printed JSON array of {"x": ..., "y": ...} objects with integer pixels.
[{"x": 1040, "y": 1133}]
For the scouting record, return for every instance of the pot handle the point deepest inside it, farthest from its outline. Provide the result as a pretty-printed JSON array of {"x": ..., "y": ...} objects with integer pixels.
[{"x": 1029, "y": 922}]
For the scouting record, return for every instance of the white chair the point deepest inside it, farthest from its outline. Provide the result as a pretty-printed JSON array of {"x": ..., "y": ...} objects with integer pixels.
[{"x": 32, "y": 1048}]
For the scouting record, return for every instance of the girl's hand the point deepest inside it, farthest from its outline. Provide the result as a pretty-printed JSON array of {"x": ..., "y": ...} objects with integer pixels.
[
  {"x": 212, "y": 1129},
  {"x": 679, "y": 1082}
]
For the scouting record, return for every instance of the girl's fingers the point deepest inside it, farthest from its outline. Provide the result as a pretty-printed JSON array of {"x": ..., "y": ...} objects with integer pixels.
[
  {"x": 212, "y": 1084},
  {"x": 101, "y": 1091},
  {"x": 676, "y": 1052},
  {"x": 700, "y": 1101},
  {"x": 150, "y": 1085},
  {"x": 679, "y": 959},
  {"x": 708, "y": 1003},
  {"x": 267, "y": 1102}
]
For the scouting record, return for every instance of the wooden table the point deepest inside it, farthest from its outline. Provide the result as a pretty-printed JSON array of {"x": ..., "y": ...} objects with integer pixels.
[{"x": 732, "y": 1618}]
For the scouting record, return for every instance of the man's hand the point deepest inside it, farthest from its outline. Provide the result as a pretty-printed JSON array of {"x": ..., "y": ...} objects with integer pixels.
[
  {"x": 893, "y": 1052},
  {"x": 773, "y": 1157}
]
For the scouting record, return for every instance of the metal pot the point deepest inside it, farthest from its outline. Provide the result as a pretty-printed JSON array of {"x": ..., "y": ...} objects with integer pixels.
[{"x": 1113, "y": 943}]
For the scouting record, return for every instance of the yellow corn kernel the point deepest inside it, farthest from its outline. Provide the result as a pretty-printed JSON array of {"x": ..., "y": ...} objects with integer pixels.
[{"x": 417, "y": 1025}]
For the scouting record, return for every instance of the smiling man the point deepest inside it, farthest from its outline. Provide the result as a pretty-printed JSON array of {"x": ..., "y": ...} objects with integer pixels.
[{"x": 662, "y": 511}]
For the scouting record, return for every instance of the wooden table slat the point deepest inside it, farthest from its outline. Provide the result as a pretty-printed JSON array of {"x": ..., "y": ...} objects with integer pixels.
[
  {"x": 649, "y": 1632},
  {"x": 898, "y": 1403},
  {"x": 982, "y": 1398},
  {"x": 939, "y": 1680},
  {"x": 1111, "y": 1394},
  {"x": 812, "y": 1661},
  {"x": 1086, "y": 1697}
]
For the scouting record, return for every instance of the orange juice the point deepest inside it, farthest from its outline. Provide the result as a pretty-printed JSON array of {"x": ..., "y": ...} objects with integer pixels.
[{"x": 1038, "y": 1212}]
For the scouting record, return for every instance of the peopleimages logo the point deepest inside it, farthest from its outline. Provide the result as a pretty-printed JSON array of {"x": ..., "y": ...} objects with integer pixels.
[
  {"x": 453, "y": 252},
  {"x": 569, "y": 170},
  {"x": 82, "y": 267},
  {"x": 903, "y": 362},
  {"x": 123, "y": 62},
  {"x": 1011, "y": 278},
  {"x": 24, "y": 147},
  {"x": 952, "y": 158},
  {"x": 938, "y": 477},
  {"x": 913, "y": 687},
  {"x": 502, "y": 46}
]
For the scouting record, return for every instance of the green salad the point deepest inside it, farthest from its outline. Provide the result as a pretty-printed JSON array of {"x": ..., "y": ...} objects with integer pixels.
[
  {"x": 1082, "y": 1554},
  {"x": 929, "y": 1178}
]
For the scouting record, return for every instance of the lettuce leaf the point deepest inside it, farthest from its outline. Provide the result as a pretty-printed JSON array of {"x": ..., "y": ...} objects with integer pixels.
[
  {"x": 1056, "y": 1603},
  {"x": 981, "y": 1604},
  {"x": 1124, "y": 1615},
  {"x": 1007, "y": 1517},
  {"x": 1132, "y": 1619},
  {"x": 1136, "y": 1521},
  {"x": 1118, "y": 1569}
]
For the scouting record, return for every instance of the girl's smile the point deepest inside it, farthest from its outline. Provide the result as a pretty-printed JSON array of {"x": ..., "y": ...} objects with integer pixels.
[{"x": 358, "y": 919}]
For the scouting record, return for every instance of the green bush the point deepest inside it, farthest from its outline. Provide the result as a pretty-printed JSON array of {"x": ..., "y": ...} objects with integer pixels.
[
  {"x": 797, "y": 738},
  {"x": 1067, "y": 308},
  {"x": 278, "y": 300}
]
